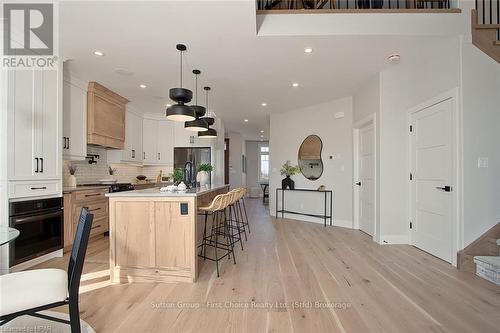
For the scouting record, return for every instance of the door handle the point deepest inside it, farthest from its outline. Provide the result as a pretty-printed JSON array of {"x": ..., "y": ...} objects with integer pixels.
[
  {"x": 445, "y": 188},
  {"x": 358, "y": 183},
  {"x": 36, "y": 160}
]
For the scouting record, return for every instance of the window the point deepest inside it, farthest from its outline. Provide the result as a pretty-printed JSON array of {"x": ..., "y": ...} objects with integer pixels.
[{"x": 264, "y": 162}]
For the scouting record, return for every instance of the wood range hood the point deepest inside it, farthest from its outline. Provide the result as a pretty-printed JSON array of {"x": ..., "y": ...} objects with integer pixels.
[{"x": 105, "y": 117}]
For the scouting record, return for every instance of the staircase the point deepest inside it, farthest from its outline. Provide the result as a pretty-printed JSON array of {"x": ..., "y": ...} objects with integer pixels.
[
  {"x": 486, "y": 245},
  {"x": 485, "y": 25},
  {"x": 488, "y": 267}
]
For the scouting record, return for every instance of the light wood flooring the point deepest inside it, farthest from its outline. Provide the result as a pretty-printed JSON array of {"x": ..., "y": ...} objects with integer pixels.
[{"x": 287, "y": 266}]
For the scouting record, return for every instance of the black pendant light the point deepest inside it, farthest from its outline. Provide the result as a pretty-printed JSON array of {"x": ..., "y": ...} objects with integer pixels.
[
  {"x": 210, "y": 133},
  {"x": 180, "y": 111},
  {"x": 197, "y": 125}
]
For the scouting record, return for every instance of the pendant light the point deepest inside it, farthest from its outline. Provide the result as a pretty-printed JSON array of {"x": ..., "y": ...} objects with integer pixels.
[
  {"x": 197, "y": 125},
  {"x": 180, "y": 111},
  {"x": 210, "y": 133}
]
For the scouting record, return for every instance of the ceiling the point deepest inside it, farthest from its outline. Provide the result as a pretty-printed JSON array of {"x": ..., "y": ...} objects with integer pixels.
[{"x": 243, "y": 69}]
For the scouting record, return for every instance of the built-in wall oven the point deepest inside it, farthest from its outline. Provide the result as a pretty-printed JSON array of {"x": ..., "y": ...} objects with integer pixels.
[{"x": 40, "y": 223}]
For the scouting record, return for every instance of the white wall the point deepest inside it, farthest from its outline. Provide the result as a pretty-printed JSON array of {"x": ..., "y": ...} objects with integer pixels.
[
  {"x": 237, "y": 148},
  {"x": 253, "y": 155},
  {"x": 392, "y": 93},
  {"x": 288, "y": 130},
  {"x": 481, "y": 128}
]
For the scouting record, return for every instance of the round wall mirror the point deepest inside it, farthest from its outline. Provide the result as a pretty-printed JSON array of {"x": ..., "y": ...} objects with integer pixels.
[{"x": 310, "y": 162}]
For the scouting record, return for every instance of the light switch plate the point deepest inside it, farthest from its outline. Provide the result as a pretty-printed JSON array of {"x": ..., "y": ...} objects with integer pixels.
[{"x": 482, "y": 162}]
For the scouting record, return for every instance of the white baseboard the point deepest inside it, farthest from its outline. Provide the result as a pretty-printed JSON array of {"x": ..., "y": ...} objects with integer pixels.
[
  {"x": 393, "y": 239},
  {"x": 305, "y": 218},
  {"x": 36, "y": 261}
]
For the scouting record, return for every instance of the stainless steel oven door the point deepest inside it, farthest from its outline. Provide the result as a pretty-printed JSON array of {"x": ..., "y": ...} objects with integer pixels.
[{"x": 40, "y": 233}]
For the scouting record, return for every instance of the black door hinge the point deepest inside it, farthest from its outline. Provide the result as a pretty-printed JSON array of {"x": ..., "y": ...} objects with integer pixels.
[
  {"x": 411, "y": 225},
  {"x": 411, "y": 128}
]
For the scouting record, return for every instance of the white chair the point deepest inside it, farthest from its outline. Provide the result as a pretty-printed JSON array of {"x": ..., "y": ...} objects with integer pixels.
[{"x": 28, "y": 292}]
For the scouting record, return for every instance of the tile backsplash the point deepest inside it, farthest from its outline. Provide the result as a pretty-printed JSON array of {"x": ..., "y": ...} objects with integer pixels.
[{"x": 125, "y": 173}]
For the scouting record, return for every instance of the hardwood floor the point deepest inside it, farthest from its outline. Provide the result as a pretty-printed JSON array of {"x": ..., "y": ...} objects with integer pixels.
[{"x": 287, "y": 266}]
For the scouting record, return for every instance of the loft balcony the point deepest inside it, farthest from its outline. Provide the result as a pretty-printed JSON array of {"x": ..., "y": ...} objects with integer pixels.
[
  {"x": 363, "y": 17},
  {"x": 355, "y": 6}
]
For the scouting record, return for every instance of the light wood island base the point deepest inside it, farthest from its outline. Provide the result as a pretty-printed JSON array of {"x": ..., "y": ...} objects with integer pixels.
[{"x": 153, "y": 236}]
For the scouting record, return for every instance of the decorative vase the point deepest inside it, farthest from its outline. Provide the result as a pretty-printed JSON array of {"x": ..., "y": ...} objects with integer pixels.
[
  {"x": 203, "y": 177},
  {"x": 288, "y": 183},
  {"x": 72, "y": 181}
]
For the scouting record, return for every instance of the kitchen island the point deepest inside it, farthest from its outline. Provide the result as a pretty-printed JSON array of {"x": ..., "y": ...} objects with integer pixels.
[{"x": 154, "y": 234}]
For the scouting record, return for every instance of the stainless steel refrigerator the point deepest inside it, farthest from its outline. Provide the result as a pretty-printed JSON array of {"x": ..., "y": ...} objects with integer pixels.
[{"x": 196, "y": 156}]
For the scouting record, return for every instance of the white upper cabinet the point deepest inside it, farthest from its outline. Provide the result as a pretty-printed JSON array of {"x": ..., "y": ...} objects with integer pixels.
[
  {"x": 34, "y": 118},
  {"x": 150, "y": 141},
  {"x": 166, "y": 142},
  {"x": 74, "y": 119},
  {"x": 133, "y": 137}
]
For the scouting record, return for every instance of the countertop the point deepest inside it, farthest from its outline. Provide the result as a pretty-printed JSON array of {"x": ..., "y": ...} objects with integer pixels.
[{"x": 155, "y": 192}]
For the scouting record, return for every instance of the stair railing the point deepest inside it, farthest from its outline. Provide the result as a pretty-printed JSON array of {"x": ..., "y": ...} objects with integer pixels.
[{"x": 488, "y": 12}]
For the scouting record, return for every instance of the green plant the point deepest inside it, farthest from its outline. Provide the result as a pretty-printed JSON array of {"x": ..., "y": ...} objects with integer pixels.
[
  {"x": 178, "y": 175},
  {"x": 205, "y": 167},
  {"x": 288, "y": 169}
]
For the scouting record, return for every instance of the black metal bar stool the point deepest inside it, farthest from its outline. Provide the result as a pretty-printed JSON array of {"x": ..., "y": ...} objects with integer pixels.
[
  {"x": 242, "y": 207},
  {"x": 220, "y": 236}
]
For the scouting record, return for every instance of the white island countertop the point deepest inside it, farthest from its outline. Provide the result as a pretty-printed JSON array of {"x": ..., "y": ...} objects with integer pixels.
[{"x": 155, "y": 192}]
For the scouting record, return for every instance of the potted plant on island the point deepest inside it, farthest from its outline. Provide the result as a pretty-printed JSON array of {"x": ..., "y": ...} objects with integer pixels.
[
  {"x": 288, "y": 170},
  {"x": 203, "y": 175},
  {"x": 177, "y": 176}
]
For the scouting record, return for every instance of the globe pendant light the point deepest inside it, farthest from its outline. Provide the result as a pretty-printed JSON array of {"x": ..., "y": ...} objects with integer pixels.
[
  {"x": 180, "y": 111},
  {"x": 197, "y": 125},
  {"x": 210, "y": 133}
]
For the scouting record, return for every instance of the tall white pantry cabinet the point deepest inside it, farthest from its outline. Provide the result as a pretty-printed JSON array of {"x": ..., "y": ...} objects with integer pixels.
[{"x": 34, "y": 118}]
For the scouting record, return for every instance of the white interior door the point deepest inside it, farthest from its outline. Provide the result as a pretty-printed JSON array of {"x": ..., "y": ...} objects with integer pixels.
[
  {"x": 432, "y": 185},
  {"x": 366, "y": 181}
]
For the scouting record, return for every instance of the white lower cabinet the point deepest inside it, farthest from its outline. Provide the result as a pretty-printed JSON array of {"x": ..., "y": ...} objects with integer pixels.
[{"x": 34, "y": 132}]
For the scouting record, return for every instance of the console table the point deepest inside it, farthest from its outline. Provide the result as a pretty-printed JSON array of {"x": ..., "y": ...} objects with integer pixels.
[{"x": 326, "y": 194}]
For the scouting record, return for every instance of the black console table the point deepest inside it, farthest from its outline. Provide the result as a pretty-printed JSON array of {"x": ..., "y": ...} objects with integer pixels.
[{"x": 325, "y": 216}]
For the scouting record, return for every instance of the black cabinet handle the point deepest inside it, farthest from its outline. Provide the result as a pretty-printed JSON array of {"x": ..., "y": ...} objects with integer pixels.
[
  {"x": 143, "y": 155},
  {"x": 358, "y": 183},
  {"x": 39, "y": 188},
  {"x": 68, "y": 142},
  {"x": 159, "y": 156},
  {"x": 92, "y": 195},
  {"x": 64, "y": 143},
  {"x": 445, "y": 188},
  {"x": 133, "y": 153},
  {"x": 36, "y": 160},
  {"x": 41, "y": 164}
]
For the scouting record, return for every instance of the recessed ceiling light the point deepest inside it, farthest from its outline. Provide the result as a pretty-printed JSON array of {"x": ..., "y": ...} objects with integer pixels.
[
  {"x": 262, "y": 131},
  {"x": 99, "y": 53},
  {"x": 308, "y": 50},
  {"x": 245, "y": 120},
  {"x": 143, "y": 86},
  {"x": 394, "y": 58},
  {"x": 295, "y": 84},
  {"x": 261, "y": 136},
  {"x": 264, "y": 104}
]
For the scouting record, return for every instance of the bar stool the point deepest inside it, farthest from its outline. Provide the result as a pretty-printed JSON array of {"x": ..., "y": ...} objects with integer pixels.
[
  {"x": 241, "y": 203},
  {"x": 220, "y": 227},
  {"x": 234, "y": 216}
]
